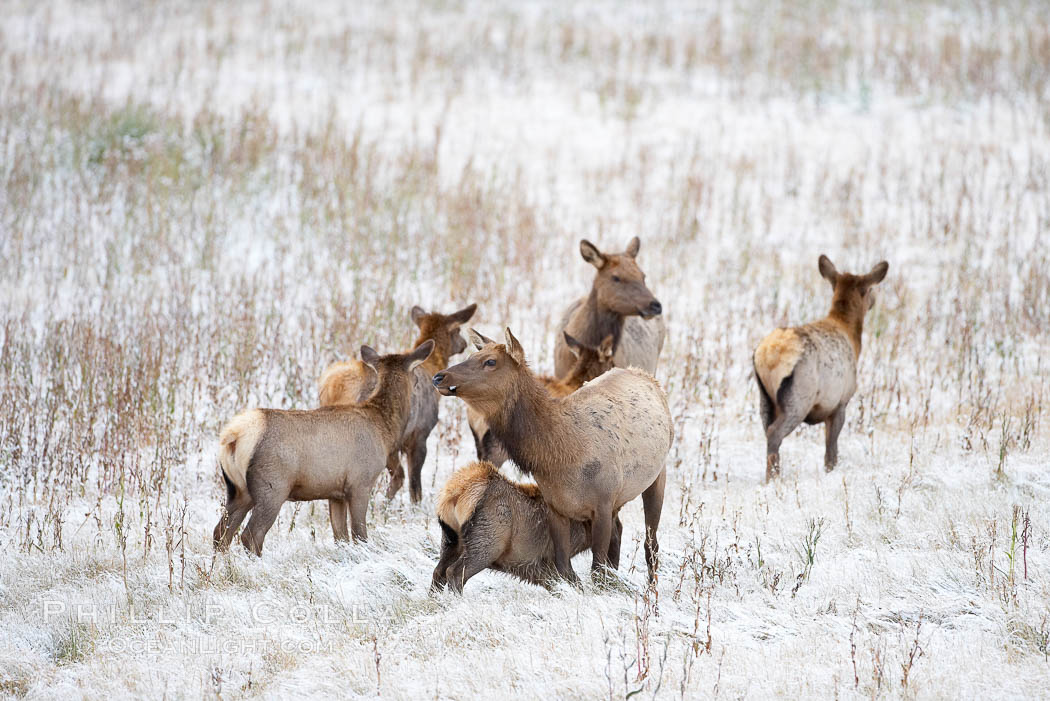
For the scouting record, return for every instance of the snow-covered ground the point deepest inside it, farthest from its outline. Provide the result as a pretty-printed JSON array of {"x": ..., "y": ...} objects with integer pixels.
[{"x": 202, "y": 206}]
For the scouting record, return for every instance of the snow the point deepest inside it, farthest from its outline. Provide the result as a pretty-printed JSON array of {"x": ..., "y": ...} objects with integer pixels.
[{"x": 204, "y": 205}]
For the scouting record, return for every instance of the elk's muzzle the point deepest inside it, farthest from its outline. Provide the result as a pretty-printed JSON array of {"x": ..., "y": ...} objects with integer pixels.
[
  {"x": 654, "y": 309},
  {"x": 442, "y": 385}
]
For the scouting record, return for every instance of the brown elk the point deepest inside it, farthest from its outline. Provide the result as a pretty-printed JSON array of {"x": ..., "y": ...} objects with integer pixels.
[
  {"x": 590, "y": 363},
  {"x": 590, "y": 452},
  {"x": 490, "y": 522},
  {"x": 270, "y": 456},
  {"x": 809, "y": 373},
  {"x": 349, "y": 383},
  {"x": 619, "y": 305}
]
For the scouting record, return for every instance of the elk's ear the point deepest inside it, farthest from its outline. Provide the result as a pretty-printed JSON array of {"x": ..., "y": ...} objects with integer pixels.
[
  {"x": 477, "y": 339},
  {"x": 591, "y": 254},
  {"x": 417, "y": 314},
  {"x": 369, "y": 355},
  {"x": 463, "y": 315},
  {"x": 827, "y": 269},
  {"x": 420, "y": 354},
  {"x": 514, "y": 348},
  {"x": 574, "y": 345},
  {"x": 633, "y": 246},
  {"x": 877, "y": 274},
  {"x": 605, "y": 348}
]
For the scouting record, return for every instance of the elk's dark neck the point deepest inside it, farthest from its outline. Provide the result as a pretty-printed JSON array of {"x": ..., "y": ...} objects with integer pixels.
[
  {"x": 531, "y": 427},
  {"x": 849, "y": 314},
  {"x": 599, "y": 322}
]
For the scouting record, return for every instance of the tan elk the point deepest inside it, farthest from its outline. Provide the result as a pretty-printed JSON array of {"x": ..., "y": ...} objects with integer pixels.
[
  {"x": 590, "y": 452},
  {"x": 809, "y": 373},
  {"x": 490, "y": 522},
  {"x": 619, "y": 305},
  {"x": 349, "y": 383},
  {"x": 590, "y": 363},
  {"x": 270, "y": 456}
]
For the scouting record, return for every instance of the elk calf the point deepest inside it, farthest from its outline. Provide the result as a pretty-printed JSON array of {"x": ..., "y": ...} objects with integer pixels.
[
  {"x": 350, "y": 383},
  {"x": 270, "y": 456},
  {"x": 490, "y": 522},
  {"x": 809, "y": 373},
  {"x": 591, "y": 452},
  {"x": 619, "y": 305},
  {"x": 590, "y": 363}
]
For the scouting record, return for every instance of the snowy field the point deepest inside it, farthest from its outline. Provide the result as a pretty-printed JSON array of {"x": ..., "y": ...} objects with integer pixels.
[{"x": 202, "y": 205}]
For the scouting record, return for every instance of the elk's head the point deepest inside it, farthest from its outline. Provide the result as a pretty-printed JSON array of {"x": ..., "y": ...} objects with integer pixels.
[
  {"x": 443, "y": 329},
  {"x": 387, "y": 366},
  {"x": 591, "y": 362},
  {"x": 853, "y": 295},
  {"x": 488, "y": 376},
  {"x": 620, "y": 283}
]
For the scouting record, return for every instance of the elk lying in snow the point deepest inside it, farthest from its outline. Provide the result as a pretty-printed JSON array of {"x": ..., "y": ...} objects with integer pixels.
[
  {"x": 487, "y": 521},
  {"x": 590, "y": 363},
  {"x": 350, "y": 383},
  {"x": 809, "y": 373},
  {"x": 270, "y": 456},
  {"x": 590, "y": 452},
  {"x": 617, "y": 299}
]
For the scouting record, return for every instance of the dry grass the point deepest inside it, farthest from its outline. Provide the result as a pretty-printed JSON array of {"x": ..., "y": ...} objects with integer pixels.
[{"x": 200, "y": 207}]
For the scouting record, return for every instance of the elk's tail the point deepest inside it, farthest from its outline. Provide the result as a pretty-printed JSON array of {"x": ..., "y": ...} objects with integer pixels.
[
  {"x": 237, "y": 444},
  {"x": 775, "y": 359}
]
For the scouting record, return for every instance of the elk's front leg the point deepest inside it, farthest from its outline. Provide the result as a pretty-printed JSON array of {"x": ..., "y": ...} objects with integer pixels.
[{"x": 337, "y": 515}]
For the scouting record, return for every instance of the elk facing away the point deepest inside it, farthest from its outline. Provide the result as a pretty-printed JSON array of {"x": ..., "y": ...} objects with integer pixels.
[
  {"x": 590, "y": 452},
  {"x": 488, "y": 521},
  {"x": 809, "y": 373},
  {"x": 353, "y": 382},
  {"x": 618, "y": 305},
  {"x": 590, "y": 363},
  {"x": 270, "y": 456}
]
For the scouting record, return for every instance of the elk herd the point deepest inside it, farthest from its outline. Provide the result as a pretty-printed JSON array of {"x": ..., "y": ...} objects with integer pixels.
[{"x": 593, "y": 436}]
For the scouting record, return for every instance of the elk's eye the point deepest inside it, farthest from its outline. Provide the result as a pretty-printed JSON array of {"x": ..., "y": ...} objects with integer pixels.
[
  {"x": 616, "y": 278},
  {"x": 490, "y": 363}
]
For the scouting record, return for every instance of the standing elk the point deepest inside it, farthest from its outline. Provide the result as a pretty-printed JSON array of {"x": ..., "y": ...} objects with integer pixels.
[
  {"x": 590, "y": 452},
  {"x": 619, "y": 305},
  {"x": 270, "y": 456},
  {"x": 590, "y": 363},
  {"x": 809, "y": 373},
  {"x": 490, "y": 522},
  {"x": 350, "y": 383}
]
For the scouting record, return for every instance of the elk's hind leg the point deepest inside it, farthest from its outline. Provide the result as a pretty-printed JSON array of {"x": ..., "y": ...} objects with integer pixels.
[
  {"x": 481, "y": 546},
  {"x": 832, "y": 428},
  {"x": 263, "y": 516},
  {"x": 602, "y": 530},
  {"x": 765, "y": 404},
  {"x": 450, "y": 551},
  {"x": 652, "y": 505},
  {"x": 238, "y": 504},
  {"x": 417, "y": 455},
  {"x": 792, "y": 412}
]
